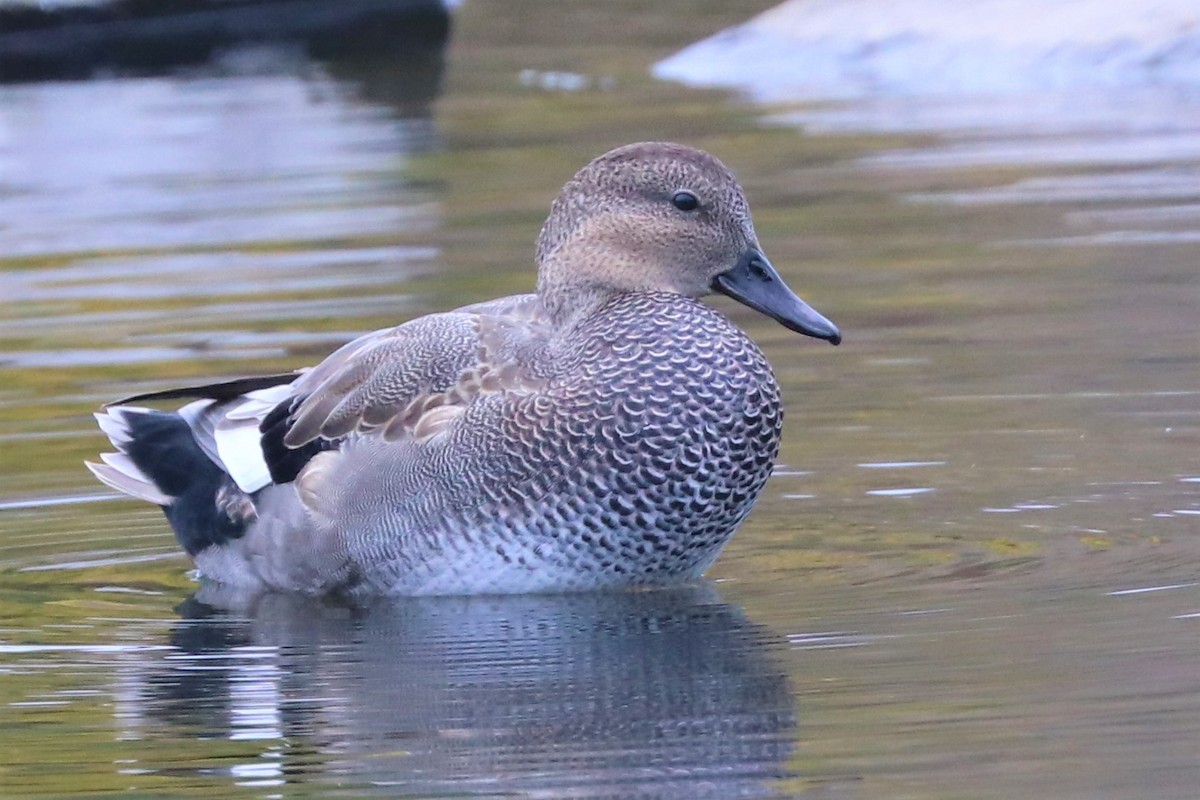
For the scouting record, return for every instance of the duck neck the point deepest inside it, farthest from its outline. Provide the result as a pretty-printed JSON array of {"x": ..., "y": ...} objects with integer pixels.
[
  {"x": 568, "y": 304},
  {"x": 581, "y": 270}
]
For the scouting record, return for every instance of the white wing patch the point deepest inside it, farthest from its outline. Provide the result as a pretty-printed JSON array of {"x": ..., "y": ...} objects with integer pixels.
[
  {"x": 257, "y": 404},
  {"x": 239, "y": 446},
  {"x": 201, "y": 425},
  {"x": 239, "y": 441}
]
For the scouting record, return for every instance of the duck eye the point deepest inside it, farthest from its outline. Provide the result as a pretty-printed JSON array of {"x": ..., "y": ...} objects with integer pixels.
[{"x": 685, "y": 201}]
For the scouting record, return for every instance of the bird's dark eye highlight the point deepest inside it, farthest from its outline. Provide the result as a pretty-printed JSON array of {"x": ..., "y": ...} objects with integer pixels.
[{"x": 685, "y": 201}]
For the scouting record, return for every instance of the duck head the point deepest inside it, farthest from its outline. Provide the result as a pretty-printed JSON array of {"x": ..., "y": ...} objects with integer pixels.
[{"x": 661, "y": 217}]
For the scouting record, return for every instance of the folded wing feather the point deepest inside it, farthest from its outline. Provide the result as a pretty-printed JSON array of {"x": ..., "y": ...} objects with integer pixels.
[{"x": 414, "y": 380}]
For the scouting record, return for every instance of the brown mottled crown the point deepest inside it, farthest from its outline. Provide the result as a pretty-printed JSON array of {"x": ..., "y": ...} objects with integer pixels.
[{"x": 616, "y": 227}]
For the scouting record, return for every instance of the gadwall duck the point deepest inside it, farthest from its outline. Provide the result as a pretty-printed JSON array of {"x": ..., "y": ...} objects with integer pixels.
[{"x": 608, "y": 431}]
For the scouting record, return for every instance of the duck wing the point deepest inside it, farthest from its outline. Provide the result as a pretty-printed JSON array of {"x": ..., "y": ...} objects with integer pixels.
[
  {"x": 412, "y": 380},
  {"x": 391, "y": 382}
]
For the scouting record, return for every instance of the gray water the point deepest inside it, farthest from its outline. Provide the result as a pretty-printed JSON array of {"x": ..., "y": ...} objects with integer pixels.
[{"x": 972, "y": 576}]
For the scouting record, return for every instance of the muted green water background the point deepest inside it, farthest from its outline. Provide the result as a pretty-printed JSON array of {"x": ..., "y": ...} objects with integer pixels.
[{"x": 973, "y": 576}]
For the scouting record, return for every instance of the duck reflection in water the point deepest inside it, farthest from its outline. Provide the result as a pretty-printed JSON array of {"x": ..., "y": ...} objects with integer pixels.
[{"x": 659, "y": 693}]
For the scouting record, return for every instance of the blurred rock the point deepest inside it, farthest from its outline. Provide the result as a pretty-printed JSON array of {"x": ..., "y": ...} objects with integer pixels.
[{"x": 847, "y": 49}]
